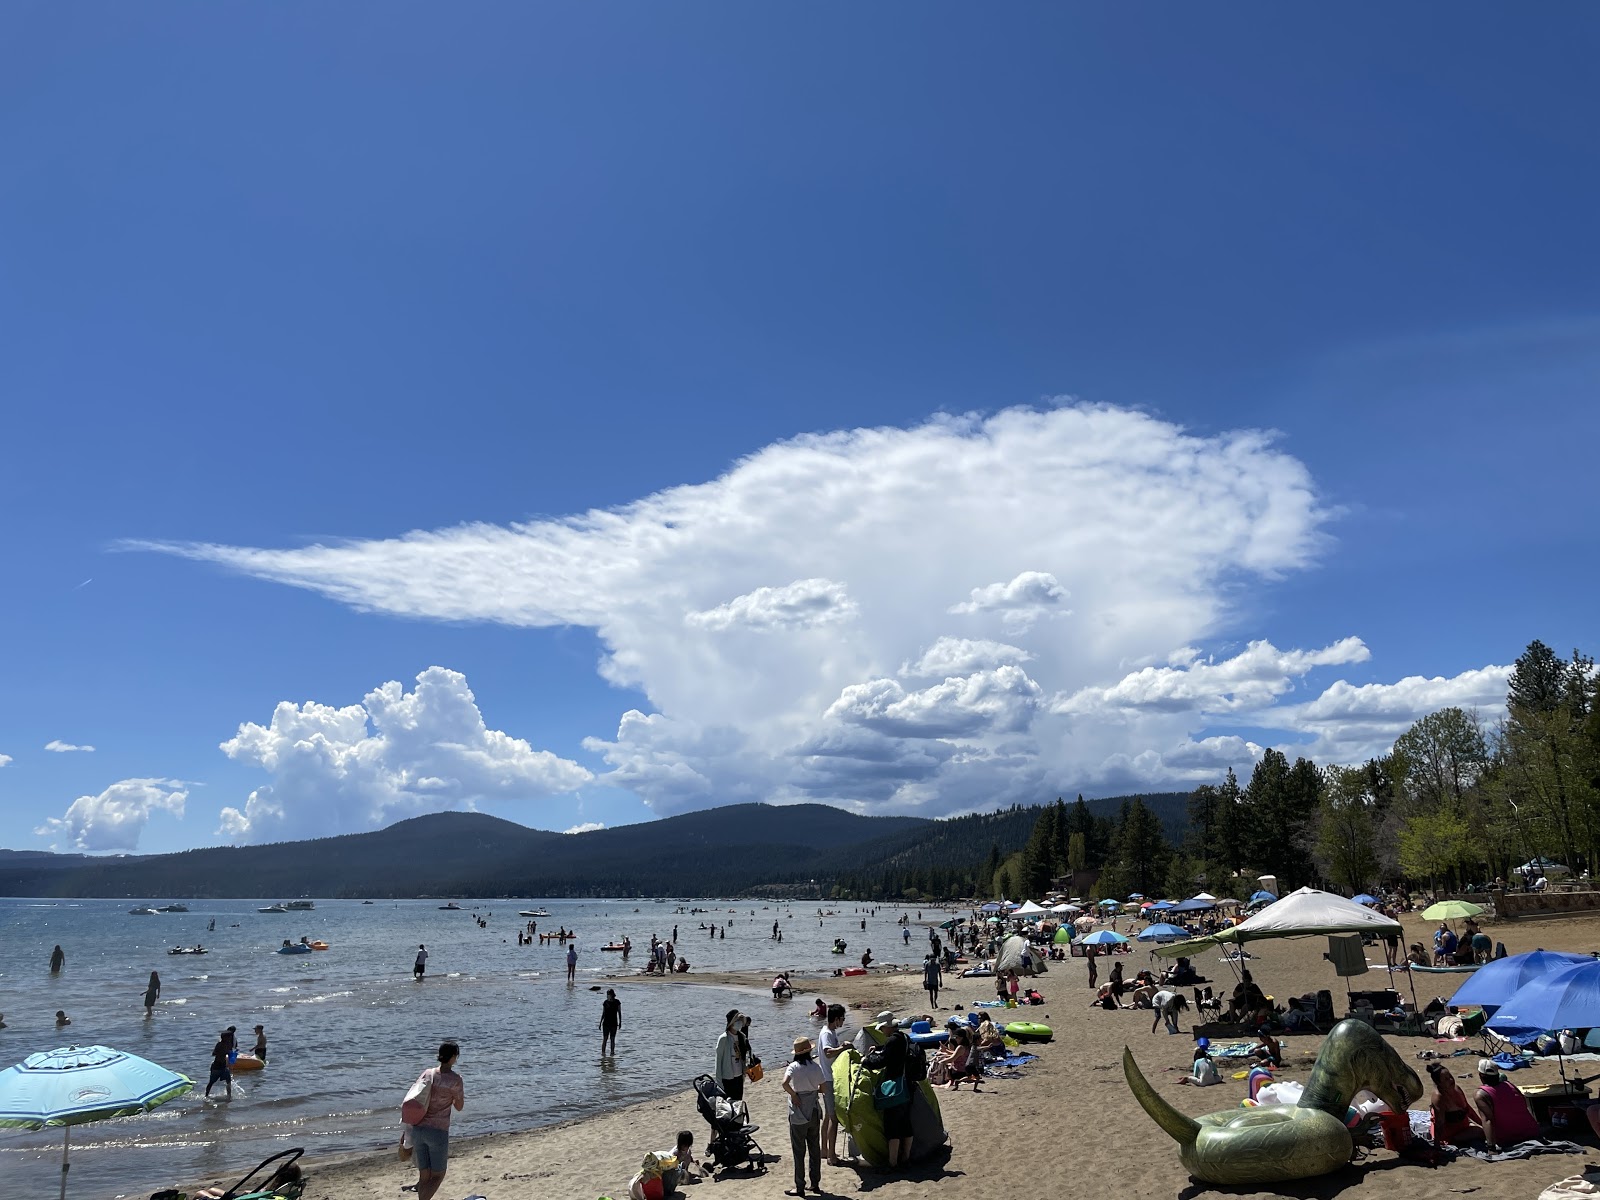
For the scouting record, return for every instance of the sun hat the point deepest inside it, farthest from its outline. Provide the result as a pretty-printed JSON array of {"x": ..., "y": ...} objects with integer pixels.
[
  {"x": 1488, "y": 1068},
  {"x": 802, "y": 1045},
  {"x": 884, "y": 1018}
]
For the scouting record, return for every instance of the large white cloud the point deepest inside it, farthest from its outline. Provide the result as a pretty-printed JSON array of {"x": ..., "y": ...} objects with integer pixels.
[
  {"x": 397, "y": 753},
  {"x": 115, "y": 818},
  {"x": 880, "y": 617}
]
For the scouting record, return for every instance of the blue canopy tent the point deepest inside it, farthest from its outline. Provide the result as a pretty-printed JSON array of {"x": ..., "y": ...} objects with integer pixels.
[
  {"x": 1193, "y": 906},
  {"x": 1162, "y": 906},
  {"x": 1162, "y": 933},
  {"x": 1258, "y": 897},
  {"x": 1364, "y": 898}
]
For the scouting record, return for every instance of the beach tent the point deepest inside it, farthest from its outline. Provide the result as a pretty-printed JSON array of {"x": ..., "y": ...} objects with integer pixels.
[
  {"x": 1264, "y": 897},
  {"x": 1065, "y": 908},
  {"x": 1364, "y": 898},
  {"x": 1011, "y": 952},
  {"x": 1109, "y": 904},
  {"x": 1304, "y": 913},
  {"x": 1162, "y": 933},
  {"x": 1195, "y": 905},
  {"x": 1206, "y": 896},
  {"x": 1031, "y": 911},
  {"x": 1063, "y": 935},
  {"x": 853, "y": 1086}
]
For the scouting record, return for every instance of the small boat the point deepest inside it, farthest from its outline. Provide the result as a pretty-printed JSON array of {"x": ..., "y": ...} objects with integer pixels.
[
  {"x": 617, "y": 946},
  {"x": 295, "y": 948},
  {"x": 451, "y": 907},
  {"x": 537, "y": 912},
  {"x": 366, "y": 902},
  {"x": 319, "y": 945},
  {"x": 141, "y": 912},
  {"x": 299, "y": 906},
  {"x": 273, "y": 908},
  {"x": 1466, "y": 970},
  {"x": 174, "y": 908},
  {"x": 188, "y": 950}
]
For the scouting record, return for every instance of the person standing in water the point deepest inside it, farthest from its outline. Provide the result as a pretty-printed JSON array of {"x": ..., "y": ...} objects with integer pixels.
[
  {"x": 572, "y": 963},
  {"x": 58, "y": 959},
  {"x": 610, "y": 1021},
  {"x": 152, "y": 993},
  {"x": 261, "y": 1043},
  {"x": 221, "y": 1070},
  {"x": 420, "y": 968}
]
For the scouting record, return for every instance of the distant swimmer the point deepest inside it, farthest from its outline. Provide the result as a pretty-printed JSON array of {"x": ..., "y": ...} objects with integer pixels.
[
  {"x": 58, "y": 959},
  {"x": 62, "y": 1020},
  {"x": 420, "y": 968}
]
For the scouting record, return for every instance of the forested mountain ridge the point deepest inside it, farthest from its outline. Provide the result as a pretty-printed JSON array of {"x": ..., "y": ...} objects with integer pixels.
[{"x": 811, "y": 848}]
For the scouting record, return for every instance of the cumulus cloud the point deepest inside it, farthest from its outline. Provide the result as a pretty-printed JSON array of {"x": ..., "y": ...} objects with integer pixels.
[
  {"x": 5, "y": 759},
  {"x": 1353, "y": 723},
  {"x": 799, "y": 605},
  {"x": 921, "y": 659},
  {"x": 60, "y": 747},
  {"x": 1255, "y": 677},
  {"x": 1019, "y": 602},
  {"x": 396, "y": 754},
  {"x": 115, "y": 818},
  {"x": 586, "y": 827}
]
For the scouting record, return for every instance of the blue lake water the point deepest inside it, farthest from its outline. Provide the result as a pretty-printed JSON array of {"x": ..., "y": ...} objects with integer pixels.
[{"x": 349, "y": 1029}]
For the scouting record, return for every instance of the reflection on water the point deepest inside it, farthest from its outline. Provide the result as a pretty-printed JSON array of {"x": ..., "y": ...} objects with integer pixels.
[{"x": 349, "y": 1028}]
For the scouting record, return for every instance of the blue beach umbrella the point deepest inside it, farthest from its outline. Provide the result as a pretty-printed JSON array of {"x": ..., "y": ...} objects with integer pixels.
[
  {"x": 1568, "y": 998},
  {"x": 78, "y": 1084},
  {"x": 1257, "y": 897},
  {"x": 1492, "y": 984},
  {"x": 1162, "y": 933},
  {"x": 1108, "y": 904},
  {"x": 1105, "y": 937}
]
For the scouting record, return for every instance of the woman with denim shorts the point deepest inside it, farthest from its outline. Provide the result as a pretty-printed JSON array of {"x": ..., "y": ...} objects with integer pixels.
[{"x": 430, "y": 1137}]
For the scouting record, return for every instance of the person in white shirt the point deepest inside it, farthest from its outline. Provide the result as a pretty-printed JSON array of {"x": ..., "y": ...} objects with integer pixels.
[
  {"x": 805, "y": 1081},
  {"x": 829, "y": 1047}
]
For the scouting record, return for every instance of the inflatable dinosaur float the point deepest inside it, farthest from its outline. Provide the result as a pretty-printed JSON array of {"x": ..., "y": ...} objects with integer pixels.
[{"x": 1278, "y": 1142}]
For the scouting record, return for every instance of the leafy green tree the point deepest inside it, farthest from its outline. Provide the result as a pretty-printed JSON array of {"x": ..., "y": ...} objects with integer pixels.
[
  {"x": 1346, "y": 834},
  {"x": 1227, "y": 844},
  {"x": 1433, "y": 844},
  {"x": 1441, "y": 756}
]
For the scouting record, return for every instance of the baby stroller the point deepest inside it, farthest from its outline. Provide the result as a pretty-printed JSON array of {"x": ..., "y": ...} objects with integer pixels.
[{"x": 732, "y": 1143}]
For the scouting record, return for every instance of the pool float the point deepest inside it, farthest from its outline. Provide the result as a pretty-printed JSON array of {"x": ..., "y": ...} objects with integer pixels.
[
  {"x": 615, "y": 946},
  {"x": 1029, "y": 1031},
  {"x": 977, "y": 973},
  {"x": 1277, "y": 1142},
  {"x": 319, "y": 945},
  {"x": 248, "y": 1062},
  {"x": 924, "y": 1034},
  {"x": 855, "y": 970}
]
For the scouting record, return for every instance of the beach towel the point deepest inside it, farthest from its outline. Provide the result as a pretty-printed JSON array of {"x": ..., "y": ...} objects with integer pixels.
[
  {"x": 1571, "y": 1188},
  {"x": 1522, "y": 1150}
]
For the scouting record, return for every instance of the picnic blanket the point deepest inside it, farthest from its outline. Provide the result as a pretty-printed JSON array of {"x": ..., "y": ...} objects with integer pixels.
[{"x": 1521, "y": 1150}]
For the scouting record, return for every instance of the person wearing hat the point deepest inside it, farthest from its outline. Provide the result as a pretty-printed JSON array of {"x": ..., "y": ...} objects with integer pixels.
[
  {"x": 730, "y": 1057},
  {"x": 889, "y": 1059},
  {"x": 805, "y": 1081},
  {"x": 1507, "y": 1119},
  {"x": 1202, "y": 1071}
]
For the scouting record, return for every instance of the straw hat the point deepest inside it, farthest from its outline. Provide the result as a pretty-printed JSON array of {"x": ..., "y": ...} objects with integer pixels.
[{"x": 802, "y": 1045}]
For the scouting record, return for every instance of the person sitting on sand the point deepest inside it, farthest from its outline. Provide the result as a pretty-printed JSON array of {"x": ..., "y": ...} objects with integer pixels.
[
  {"x": 960, "y": 1061},
  {"x": 1507, "y": 1119},
  {"x": 820, "y": 1010},
  {"x": 1105, "y": 998},
  {"x": 1417, "y": 956},
  {"x": 1202, "y": 1071},
  {"x": 1274, "y": 1048},
  {"x": 1452, "y": 1120}
]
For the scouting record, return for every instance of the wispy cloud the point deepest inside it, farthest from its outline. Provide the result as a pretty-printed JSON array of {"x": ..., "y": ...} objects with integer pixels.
[
  {"x": 60, "y": 747},
  {"x": 586, "y": 827}
]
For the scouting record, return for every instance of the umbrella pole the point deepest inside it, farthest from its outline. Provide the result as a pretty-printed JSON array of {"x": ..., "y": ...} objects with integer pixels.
[{"x": 66, "y": 1165}]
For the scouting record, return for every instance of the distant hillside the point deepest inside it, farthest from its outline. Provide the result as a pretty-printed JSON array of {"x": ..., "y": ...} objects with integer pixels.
[{"x": 812, "y": 848}]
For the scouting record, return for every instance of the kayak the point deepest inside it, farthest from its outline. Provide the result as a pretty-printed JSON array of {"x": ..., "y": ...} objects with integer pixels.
[{"x": 1029, "y": 1031}]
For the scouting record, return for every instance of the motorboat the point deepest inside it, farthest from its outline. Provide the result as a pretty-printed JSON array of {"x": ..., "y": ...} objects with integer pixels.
[
  {"x": 141, "y": 912},
  {"x": 451, "y": 907},
  {"x": 174, "y": 908},
  {"x": 533, "y": 912},
  {"x": 188, "y": 950},
  {"x": 300, "y": 906},
  {"x": 273, "y": 908},
  {"x": 294, "y": 948}
]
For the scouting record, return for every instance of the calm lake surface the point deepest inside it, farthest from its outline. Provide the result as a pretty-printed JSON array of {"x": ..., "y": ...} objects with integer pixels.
[{"x": 349, "y": 1029}]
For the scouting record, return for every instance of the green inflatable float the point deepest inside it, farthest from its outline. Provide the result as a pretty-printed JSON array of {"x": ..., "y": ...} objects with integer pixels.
[
  {"x": 853, "y": 1086},
  {"x": 1279, "y": 1142}
]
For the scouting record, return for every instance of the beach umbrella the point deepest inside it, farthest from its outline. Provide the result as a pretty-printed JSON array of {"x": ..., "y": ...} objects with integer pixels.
[
  {"x": 1108, "y": 904},
  {"x": 1226, "y": 902},
  {"x": 1364, "y": 898},
  {"x": 78, "y": 1084},
  {"x": 1135, "y": 895},
  {"x": 1492, "y": 984},
  {"x": 1450, "y": 910},
  {"x": 1106, "y": 938},
  {"x": 994, "y": 921},
  {"x": 1565, "y": 999},
  {"x": 990, "y": 907},
  {"x": 1085, "y": 922},
  {"x": 1260, "y": 896},
  {"x": 1162, "y": 933}
]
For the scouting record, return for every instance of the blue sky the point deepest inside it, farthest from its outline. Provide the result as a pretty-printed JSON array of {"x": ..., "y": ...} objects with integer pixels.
[{"x": 1025, "y": 287}]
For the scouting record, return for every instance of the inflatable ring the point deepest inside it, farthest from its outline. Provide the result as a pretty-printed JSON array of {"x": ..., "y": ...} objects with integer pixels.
[
  {"x": 319, "y": 945},
  {"x": 1029, "y": 1031}
]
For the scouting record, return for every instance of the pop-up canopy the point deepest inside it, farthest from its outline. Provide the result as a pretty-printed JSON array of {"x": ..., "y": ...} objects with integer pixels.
[{"x": 1305, "y": 913}]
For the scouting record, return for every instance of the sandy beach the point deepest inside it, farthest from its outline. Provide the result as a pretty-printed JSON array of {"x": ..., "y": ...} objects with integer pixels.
[{"x": 1009, "y": 1138}]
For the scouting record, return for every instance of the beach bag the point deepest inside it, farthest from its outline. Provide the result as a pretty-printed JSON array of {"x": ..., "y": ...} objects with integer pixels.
[
  {"x": 753, "y": 1072},
  {"x": 891, "y": 1093},
  {"x": 403, "y": 1150},
  {"x": 415, "y": 1106}
]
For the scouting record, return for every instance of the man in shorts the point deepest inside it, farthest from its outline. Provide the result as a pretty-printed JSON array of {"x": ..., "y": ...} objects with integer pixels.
[
  {"x": 829, "y": 1047},
  {"x": 421, "y": 967},
  {"x": 220, "y": 1071}
]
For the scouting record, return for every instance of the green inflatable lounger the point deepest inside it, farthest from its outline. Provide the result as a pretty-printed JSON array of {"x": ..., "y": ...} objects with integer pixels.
[
  {"x": 853, "y": 1086},
  {"x": 1029, "y": 1031}
]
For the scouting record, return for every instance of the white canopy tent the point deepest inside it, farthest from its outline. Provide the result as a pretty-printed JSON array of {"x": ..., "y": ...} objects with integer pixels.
[
  {"x": 1031, "y": 911},
  {"x": 1305, "y": 913}
]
